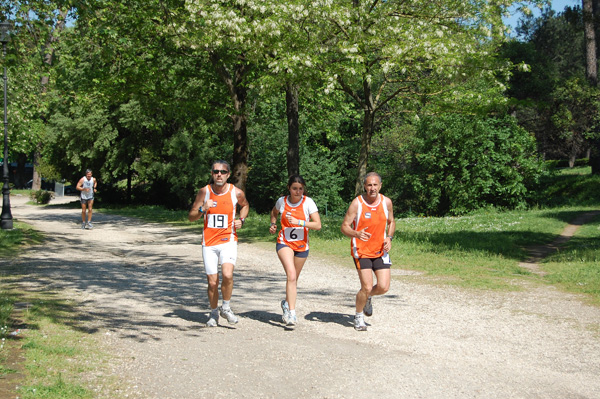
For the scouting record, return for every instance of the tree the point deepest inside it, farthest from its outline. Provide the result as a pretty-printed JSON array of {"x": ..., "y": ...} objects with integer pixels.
[
  {"x": 376, "y": 51},
  {"x": 133, "y": 106},
  {"x": 40, "y": 25},
  {"x": 591, "y": 62},
  {"x": 552, "y": 100}
]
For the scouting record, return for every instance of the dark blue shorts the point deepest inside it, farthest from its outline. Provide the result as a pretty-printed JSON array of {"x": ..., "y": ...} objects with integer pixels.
[{"x": 298, "y": 254}]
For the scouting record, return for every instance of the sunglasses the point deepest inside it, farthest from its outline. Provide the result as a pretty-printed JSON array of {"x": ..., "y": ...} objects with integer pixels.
[{"x": 217, "y": 171}]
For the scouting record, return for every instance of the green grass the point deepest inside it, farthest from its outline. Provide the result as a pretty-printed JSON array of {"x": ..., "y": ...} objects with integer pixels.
[
  {"x": 21, "y": 234},
  {"x": 578, "y": 170},
  {"x": 576, "y": 267},
  {"x": 62, "y": 359},
  {"x": 570, "y": 187}
]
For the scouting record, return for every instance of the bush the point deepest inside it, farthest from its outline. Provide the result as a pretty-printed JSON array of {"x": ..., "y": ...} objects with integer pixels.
[
  {"x": 42, "y": 196},
  {"x": 456, "y": 164}
]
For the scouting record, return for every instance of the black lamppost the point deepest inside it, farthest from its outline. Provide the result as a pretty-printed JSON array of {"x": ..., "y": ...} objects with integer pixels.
[{"x": 6, "y": 221}]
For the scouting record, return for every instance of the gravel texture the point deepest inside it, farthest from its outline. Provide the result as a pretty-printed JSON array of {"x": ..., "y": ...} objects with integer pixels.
[{"x": 142, "y": 290}]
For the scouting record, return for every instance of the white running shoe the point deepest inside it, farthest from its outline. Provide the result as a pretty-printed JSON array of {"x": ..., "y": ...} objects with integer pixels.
[
  {"x": 89, "y": 225},
  {"x": 83, "y": 226},
  {"x": 291, "y": 321},
  {"x": 286, "y": 311},
  {"x": 228, "y": 314},
  {"x": 214, "y": 319},
  {"x": 368, "y": 309},
  {"x": 359, "y": 323}
]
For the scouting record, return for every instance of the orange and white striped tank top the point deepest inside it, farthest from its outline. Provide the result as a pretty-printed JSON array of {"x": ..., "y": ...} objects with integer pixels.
[
  {"x": 375, "y": 218},
  {"x": 219, "y": 219}
]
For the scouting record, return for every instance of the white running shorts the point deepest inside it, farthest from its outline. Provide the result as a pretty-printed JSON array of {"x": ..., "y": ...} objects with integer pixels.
[{"x": 216, "y": 255}]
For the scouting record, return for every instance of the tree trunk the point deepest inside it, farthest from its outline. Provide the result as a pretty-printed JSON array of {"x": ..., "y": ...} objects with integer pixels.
[
  {"x": 21, "y": 172},
  {"x": 129, "y": 180},
  {"x": 238, "y": 95},
  {"x": 591, "y": 61},
  {"x": 365, "y": 149},
  {"x": 293, "y": 152},
  {"x": 240, "y": 139},
  {"x": 367, "y": 134},
  {"x": 591, "y": 71}
]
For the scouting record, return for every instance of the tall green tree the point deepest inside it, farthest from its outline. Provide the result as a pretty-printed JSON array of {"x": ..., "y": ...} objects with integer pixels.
[
  {"x": 153, "y": 104},
  {"x": 39, "y": 25},
  {"x": 377, "y": 51},
  {"x": 552, "y": 100}
]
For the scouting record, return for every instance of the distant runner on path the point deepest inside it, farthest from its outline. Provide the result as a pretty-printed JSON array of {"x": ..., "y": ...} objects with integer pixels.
[
  {"x": 365, "y": 222},
  {"x": 299, "y": 213},
  {"x": 87, "y": 187},
  {"x": 218, "y": 203}
]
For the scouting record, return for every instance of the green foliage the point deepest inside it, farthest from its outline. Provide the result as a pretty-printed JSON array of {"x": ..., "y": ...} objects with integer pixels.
[
  {"x": 323, "y": 153},
  {"x": 456, "y": 164},
  {"x": 42, "y": 197},
  {"x": 554, "y": 99},
  {"x": 564, "y": 189}
]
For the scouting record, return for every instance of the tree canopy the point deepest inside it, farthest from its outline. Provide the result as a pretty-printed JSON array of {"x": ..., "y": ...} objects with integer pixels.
[{"x": 149, "y": 93}]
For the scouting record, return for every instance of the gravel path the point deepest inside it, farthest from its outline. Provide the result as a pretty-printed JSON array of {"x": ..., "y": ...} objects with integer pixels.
[{"x": 143, "y": 289}]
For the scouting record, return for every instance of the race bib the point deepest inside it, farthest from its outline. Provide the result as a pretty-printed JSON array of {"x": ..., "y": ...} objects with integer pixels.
[
  {"x": 294, "y": 233},
  {"x": 216, "y": 221}
]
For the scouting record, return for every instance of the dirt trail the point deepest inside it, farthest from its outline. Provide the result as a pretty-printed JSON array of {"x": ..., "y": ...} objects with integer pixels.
[
  {"x": 538, "y": 253},
  {"x": 142, "y": 289}
]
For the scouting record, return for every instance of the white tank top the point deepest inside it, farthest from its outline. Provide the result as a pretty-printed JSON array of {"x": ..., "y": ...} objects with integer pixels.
[{"x": 88, "y": 184}]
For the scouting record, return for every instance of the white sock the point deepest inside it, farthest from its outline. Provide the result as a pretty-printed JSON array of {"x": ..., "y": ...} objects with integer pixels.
[
  {"x": 360, "y": 314},
  {"x": 226, "y": 304},
  {"x": 293, "y": 312}
]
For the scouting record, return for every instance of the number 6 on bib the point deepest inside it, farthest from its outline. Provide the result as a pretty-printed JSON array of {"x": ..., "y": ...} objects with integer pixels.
[{"x": 294, "y": 233}]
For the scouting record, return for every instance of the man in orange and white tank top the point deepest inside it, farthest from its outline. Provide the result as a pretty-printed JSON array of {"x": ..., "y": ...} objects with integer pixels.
[
  {"x": 370, "y": 223},
  {"x": 217, "y": 203}
]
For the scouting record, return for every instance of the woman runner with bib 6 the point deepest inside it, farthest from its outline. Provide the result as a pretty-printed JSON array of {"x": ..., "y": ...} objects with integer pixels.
[{"x": 299, "y": 213}]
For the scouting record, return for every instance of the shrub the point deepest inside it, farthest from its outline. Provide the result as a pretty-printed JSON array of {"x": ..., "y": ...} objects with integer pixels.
[
  {"x": 42, "y": 196},
  {"x": 458, "y": 163}
]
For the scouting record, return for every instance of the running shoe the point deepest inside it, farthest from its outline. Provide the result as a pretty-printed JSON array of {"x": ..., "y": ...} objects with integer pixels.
[
  {"x": 284, "y": 306},
  {"x": 286, "y": 311},
  {"x": 214, "y": 319},
  {"x": 83, "y": 226},
  {"x": 359, "y": 323},
  {"x": 368, "y": 309},
  {"x": 291, "y": 320},
  {"x": 228, "y": 314},
  {"x": 89, "y": 225}
]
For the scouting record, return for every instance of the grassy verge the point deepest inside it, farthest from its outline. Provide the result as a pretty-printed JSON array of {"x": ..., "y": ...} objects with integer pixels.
[
  {"x": 12, "y": 240},
  {"x": 58, "y": 358},
  {"x": 576, "y": 267}
]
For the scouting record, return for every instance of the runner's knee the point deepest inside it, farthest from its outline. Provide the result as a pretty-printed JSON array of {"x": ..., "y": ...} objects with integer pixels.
[{"x": 213, "y": 284}]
